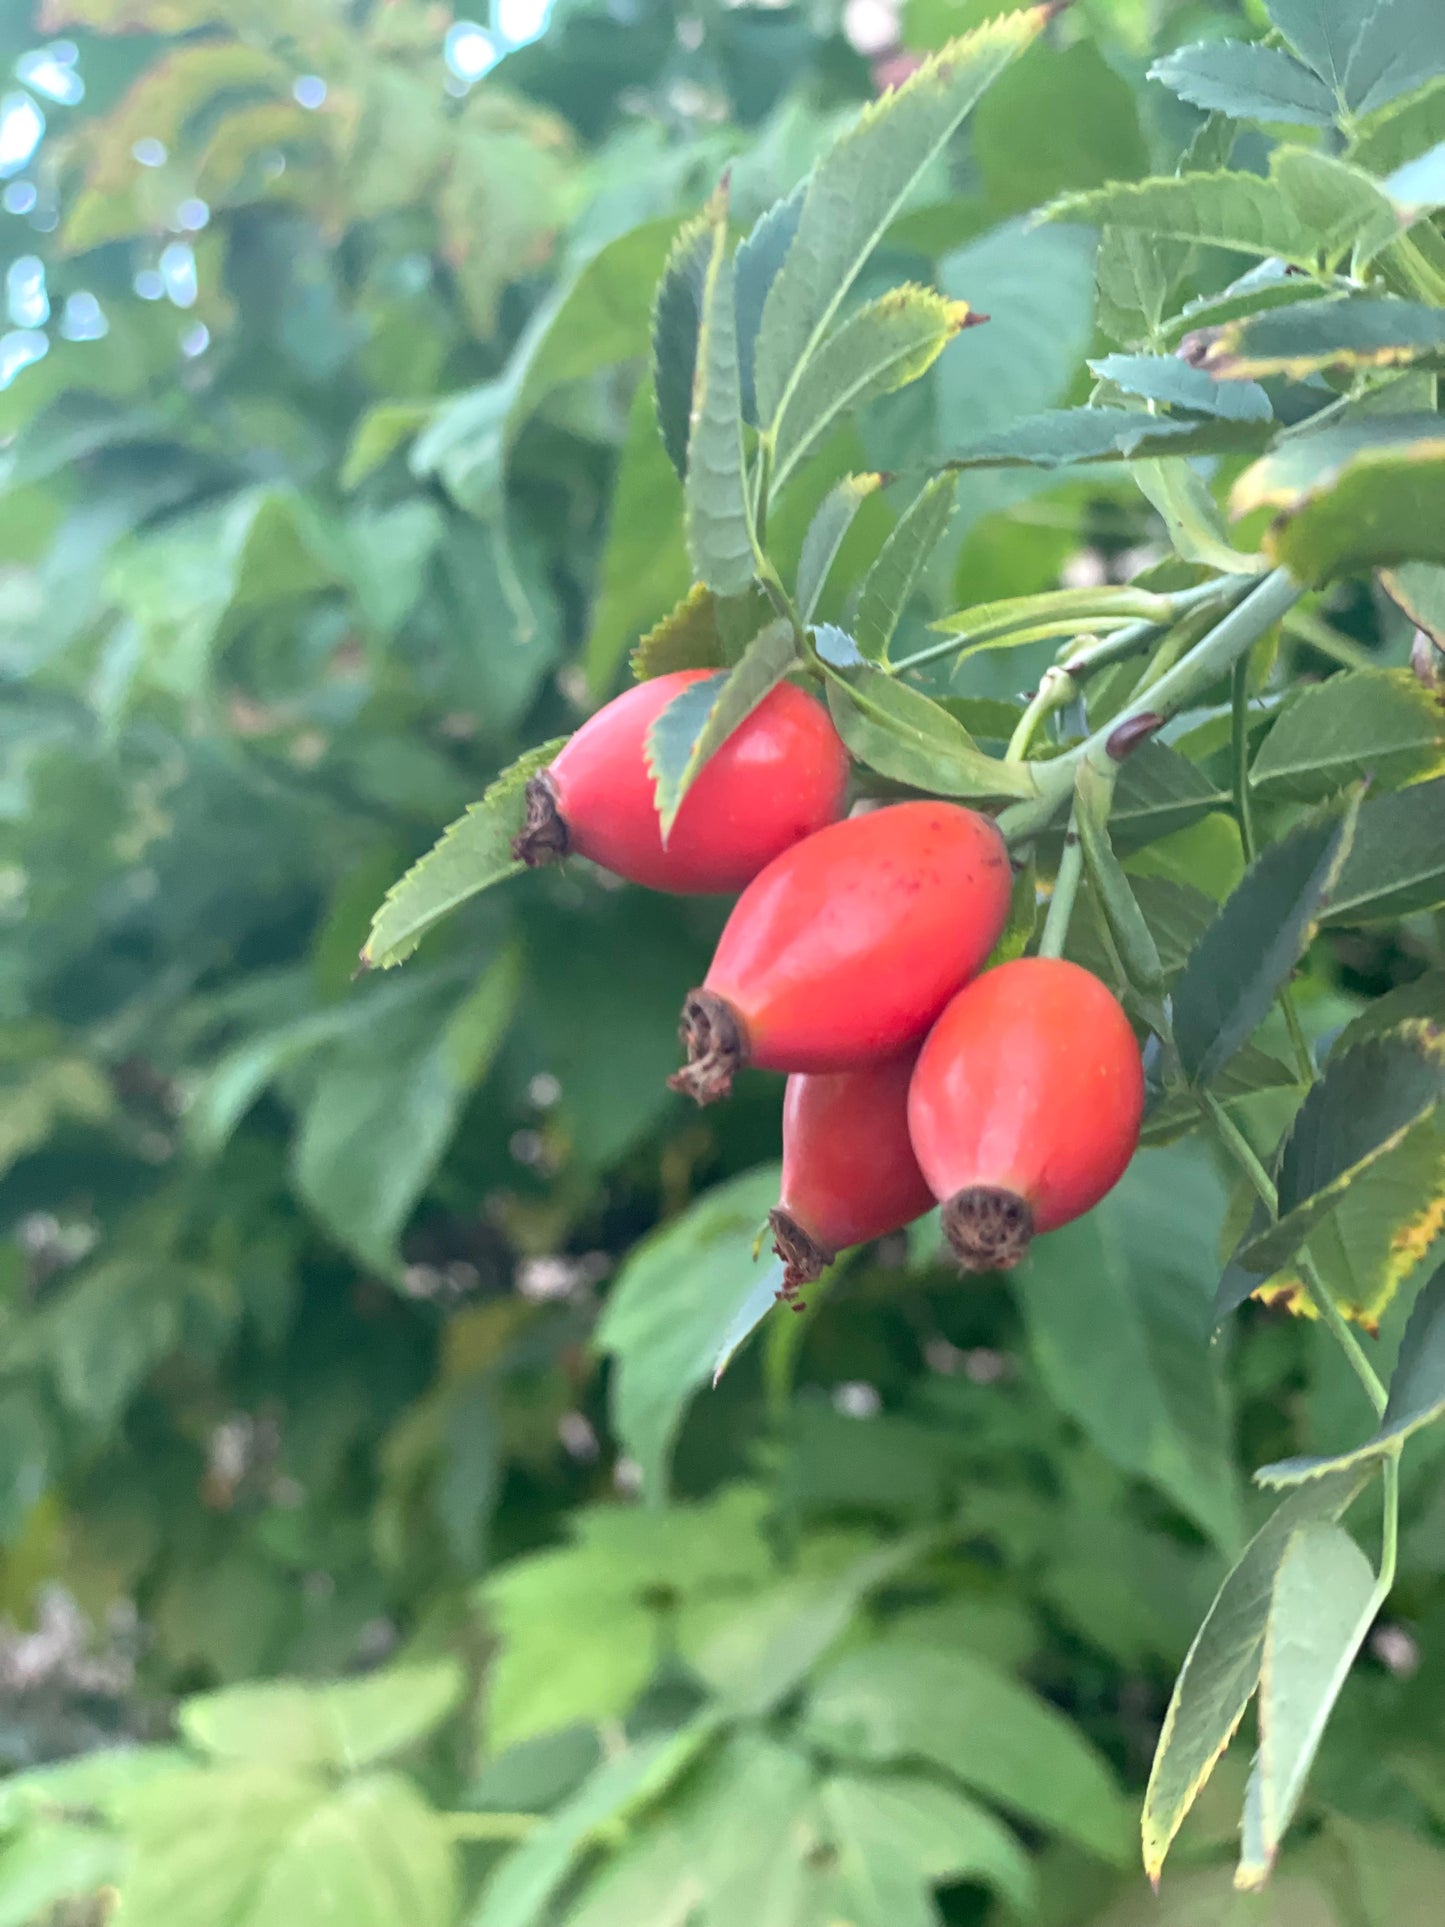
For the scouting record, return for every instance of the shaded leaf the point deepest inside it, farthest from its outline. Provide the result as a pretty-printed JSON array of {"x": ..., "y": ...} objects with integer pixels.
[
  {"x": 1354, "y": 331},
  {"x": 472, "y": 854},
  {"x": 1376, "y": 723},
  {"x": 880, "y": 347},
  {"x": 1247, "y": 82},
  {"x": 1157, "y": 792},
  {"x": 346, "y": 1725},
  {"x": 1419, "y": 589},
  {"x": 905, "y": 1702},
  {"x": 1129, "y": 1359},
  {"x": 671, "y": 1309},
  {"x": 1321, "y": 32},
  {"x": 824, "y": 538},
  {"x": 719, "y": 525},
  {"x": 1180, "y": 384},
  {"x": 1396, "y": 862},
  {"x": 1397, "y": 51},
  {"x": 898, "y": 1834},
  {"x": 895, "y": 574},
  {"x": 1063, "y": 436},
  {"x": 1358, "y": 1114},
  {"x": 860, "y": 185},
  {"x": 699, "y": 720},
  {"x": 644, "y": 567},
  {"x": 758, "y": 260},
  {"x": 685, "y": 639},
  {"x": 1252, "y": 946},
  {"x": 1221, "y": 1670},
  {"x": 1322, "y": 1607},
  {"x": 676, "y": 321},
  {"x": 1417, "y": 1396}
]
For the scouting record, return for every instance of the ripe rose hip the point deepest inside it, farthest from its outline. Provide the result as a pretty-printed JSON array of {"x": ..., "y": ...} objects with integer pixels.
[
  {"x": 1025, "y": 1106},
  {"x": 780, "y": 776},
  {"x": 848, "y": 945},
  {"x": 849, "y": 1173}
]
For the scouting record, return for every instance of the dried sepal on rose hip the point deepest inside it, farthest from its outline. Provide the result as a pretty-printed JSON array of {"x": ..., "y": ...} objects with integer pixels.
[
  {"x": 848, "y": 945},
  {"x": 849, "y": 1173},
  {"x": 781, "y": 775},
  {"x": 1025, "y": 1106}
]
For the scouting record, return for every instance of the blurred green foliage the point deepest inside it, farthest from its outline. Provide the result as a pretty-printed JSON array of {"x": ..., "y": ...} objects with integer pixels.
[{"x": 344, "y": 1322}]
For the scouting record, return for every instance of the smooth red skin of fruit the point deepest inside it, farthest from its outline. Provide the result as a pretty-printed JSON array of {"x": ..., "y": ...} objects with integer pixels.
[
  {"x": 781, "y": 775},
  {"x": 849, "y": 1173},
  {"x": 1030, "y": 1082},
  {"x": 846, "y": 947}
]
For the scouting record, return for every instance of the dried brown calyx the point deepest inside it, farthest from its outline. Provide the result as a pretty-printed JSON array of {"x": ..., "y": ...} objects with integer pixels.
[
  {"x": 716, "y": 1043},
  {"x": 988, "y": 1228},
  {"x": 543, "y": 837},
  {"x": 804, "y": 1259}
]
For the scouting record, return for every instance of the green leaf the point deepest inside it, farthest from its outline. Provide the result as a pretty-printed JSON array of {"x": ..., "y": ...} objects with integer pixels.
[
  {"x": 860, "y": 186},
  {"x": 1358, "y": 1114},
  {"x": 1417, "y": 1396},
  {"x": 1377, "y": 723},
  {"x": 1062, "y": 437},
  {"x": 1247, "y": 82},
  {"x": 933, "y": 1831},
  {"x": 1190, "y": 514},
  {"x": 759, "y": 258},
  {"x": 1222, "y": 1668},
  {"x": 1397, "y": 51},
  {"x": 905, "y": 735},
  {"x": 1418, "y": 588},
  {"x": 768, "y": 1645},
  {"x": 620, "y": 1790},
  {"x": 670, "y": 1309},
  {"x": 1159, "y": 791},
  {"x": 377, "y": 436},
  {"x": 687, "y": 638},
  {"x": 52, "y": 1862},
  {"x": 898, "y": 1702},
  {"x": 1091, "y": 111},
  {"x": 1396, "y": 863},
  {"x": 1311, "y": 210},
  {"x": 1053, "y": 612},
  {"x": 1322, "y": 32},
  {"x": 247, "y": 1846},
  {"x": 1424, "y": 998},
  {"x": 824, "y": 538},
  {"x": 644, "y": 567},
  {"x": 676, "y": 323},
  {"x": 880, "y": 347},
  {"x": 385, "y": 1104},
  {"x": 1355, "y": 331},
  {"x": 1410, "y": 128},
  {"x": 350, "y": 1724},
  {"x": 1127, "y": 925},
  {"x": 1178, "y": 384},
  {"x": 116, "y": 1321},
  {"x": 473, "y": 853},
  {"x": 1322, "y": 1606},
  {"x": 900, "y": 563},
  {"x": 627, "y": 1580},
  {"x": 1383, "y": 502},
  {"x": 1129, "y": 1359},
  {"x": 699, "y": 720},
  {"x": 1252, "y": 946},
  {"x": 719, "y": 526}
]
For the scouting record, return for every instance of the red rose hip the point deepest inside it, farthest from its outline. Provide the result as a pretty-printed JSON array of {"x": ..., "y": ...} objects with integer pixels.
[
  {"x": 1025, "y": 1106},
  {"x": 848, "y": 945},
  {"x": 849, "y": 1173},
  {"x": 781, "y": 775}
]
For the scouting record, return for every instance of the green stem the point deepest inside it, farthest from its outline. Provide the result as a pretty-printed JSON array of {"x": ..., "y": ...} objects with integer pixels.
[
  {"x": 1238, "y": 1147},
  {"x": 1244, "y": 812},
  {"x": 1066, "y": 889},
  {"x": 1239, "y": 737},
  {"x": 1210, "y": 658},
  {"x": 490, "y": 1826},
  {"x": 1056, "y": 691},
  {"x": 1390, "y": 1528}
]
